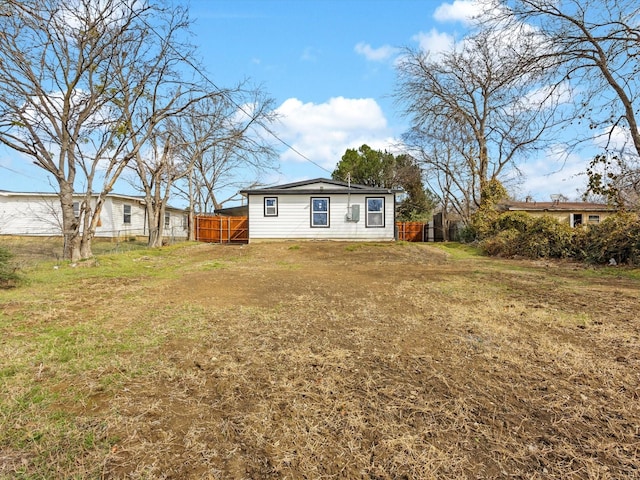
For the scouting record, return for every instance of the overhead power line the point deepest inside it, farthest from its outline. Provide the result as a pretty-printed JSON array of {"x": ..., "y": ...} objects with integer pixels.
[
  {"x": 230, "y": 98},
  {"x": 17, "y": 172}
]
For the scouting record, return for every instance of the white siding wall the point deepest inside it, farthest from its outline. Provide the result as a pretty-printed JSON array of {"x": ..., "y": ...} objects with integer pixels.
[
  {"x": 30, "y": 216},
  {"x": 41, "y": 215},
  {"x": 177, "y": 229},
  {"x": 113, "y": 221},
  {"x": 117, "y": 227},
  {"x": 294, "y": 219},
  {"x": 107, "y": 218}
]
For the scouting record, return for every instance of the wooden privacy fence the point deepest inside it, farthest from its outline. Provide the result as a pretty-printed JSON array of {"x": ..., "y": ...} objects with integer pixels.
[
  {"x": 412, "y": 231},
  {"x": 222, "y": 229},
  {"x": 427, "y": 232}
]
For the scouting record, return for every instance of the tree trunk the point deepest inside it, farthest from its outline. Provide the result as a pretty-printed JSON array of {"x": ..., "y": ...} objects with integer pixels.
[
  {"x": 190, "y": 225},
  {"x": 70, "y": 224},
  {"x": 155, "y": 222},
  {"x": 445, "y": 226}
]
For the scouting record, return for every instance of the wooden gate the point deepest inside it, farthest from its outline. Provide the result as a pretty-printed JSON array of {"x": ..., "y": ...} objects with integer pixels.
[
  {"x": 411, "y": 231},
  {"x": 222, "y": 229}
]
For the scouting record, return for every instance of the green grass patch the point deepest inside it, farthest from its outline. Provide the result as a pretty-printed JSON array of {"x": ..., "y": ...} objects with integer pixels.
[
  {"x": 363, "y": 245},
  {"x": 459, "y": 250},
  {"x": 616, "y": 272}
]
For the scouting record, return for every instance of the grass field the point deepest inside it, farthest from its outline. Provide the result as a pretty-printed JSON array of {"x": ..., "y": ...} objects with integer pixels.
[{"x": 317, "y": 360}]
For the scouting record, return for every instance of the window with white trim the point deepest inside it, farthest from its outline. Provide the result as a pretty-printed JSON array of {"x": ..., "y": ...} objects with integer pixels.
[
  {"x": 126, "y": 217},
  {"x": 593, "y": 219},
  {"x": 167, "y": 219},
  {"x": 320, "y": 212},
  {"x": 375, "y": 212},
  {"x": 76, "y": 209},
  {"x": 270, "y": 206}
]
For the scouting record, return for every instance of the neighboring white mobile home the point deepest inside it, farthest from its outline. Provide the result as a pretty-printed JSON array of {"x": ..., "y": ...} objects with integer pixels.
[
  {"x": 321, "y": 209},
  {"x": 122, "y": 216}
]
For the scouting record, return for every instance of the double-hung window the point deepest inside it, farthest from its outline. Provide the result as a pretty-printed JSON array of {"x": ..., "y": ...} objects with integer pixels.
[
  {"x": 270, "y": 206},
  {"x": 126, "y": 218},
  {"x": 375, "y": 212},
  {"x": 167, "y": 219},
  {"x": 76, "y": 209},
  {"x": 320, "y": 212}
]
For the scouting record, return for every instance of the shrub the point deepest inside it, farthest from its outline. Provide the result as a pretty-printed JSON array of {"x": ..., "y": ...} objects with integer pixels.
[
  {"x": 518, "y": 233},
  {"x": 467, "y": 234},
  {"x": 580, "y": 242},
  {"x": 616, "y": 237},
  {"x": 547, "y": 237},
  {"x": 482, "y": 221},
  {"x": 8, "y": 275},
  {"x": 502, "y": 244},
  {"x": 519, "y": 221}
]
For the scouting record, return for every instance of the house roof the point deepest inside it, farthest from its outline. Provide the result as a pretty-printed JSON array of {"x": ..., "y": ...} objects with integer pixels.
[
  {"x": 533, "y": 206},
  {"x": 8, "y": 193},
  {"x": 237, "y": 211},
  {"x": 132, "y": 198},
  {"x": 318, "y": 186}
]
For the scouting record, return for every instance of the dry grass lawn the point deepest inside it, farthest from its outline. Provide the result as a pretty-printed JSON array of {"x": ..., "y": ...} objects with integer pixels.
[{"x": 319, "y": 360}]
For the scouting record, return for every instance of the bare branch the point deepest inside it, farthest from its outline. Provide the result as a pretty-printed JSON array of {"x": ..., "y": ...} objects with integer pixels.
[{"x": 75, "y": 79}]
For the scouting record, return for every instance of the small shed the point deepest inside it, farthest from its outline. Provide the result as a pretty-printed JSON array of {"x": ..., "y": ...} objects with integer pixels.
[{"x": 321, "y": 209}]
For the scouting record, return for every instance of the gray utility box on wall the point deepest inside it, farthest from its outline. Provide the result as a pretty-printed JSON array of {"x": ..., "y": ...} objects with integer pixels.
[{"x": 353, "y": 213}]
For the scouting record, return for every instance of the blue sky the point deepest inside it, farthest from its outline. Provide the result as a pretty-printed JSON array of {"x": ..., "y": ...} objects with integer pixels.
[{"x": 329, "y": 65}]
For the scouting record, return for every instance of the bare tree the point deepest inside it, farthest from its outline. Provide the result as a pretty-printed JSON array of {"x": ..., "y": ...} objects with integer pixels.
[
  {"x": 615, "y": 178},
  {"x": 447, "y": 174},
  {"x": 156, "y": 171},
  {"x": 595, "y": 46},
  {"x": 151, "y": 128},
  {"x": 69, "y": 69},
  {"x": 224, "y": 146},
  {"x": 446, "y": 154},
  {"x": 475, "y": 111}
]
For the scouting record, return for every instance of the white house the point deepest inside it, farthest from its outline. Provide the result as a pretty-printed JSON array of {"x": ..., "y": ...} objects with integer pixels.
[
  {"x": 122, "y": 216},
  {"x": 321, "y": 209}
]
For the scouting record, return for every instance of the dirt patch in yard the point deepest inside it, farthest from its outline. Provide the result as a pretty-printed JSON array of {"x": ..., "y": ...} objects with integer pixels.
[{"x": 336, "y": 360}]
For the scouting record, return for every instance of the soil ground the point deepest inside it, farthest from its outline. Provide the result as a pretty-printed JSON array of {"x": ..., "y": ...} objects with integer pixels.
[{"x": 333, "y": 360}]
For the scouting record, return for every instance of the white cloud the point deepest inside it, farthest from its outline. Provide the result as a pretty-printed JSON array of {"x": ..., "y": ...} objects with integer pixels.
[
  {"x": 323, "y": 132},
  {"x": 557, "y": 171},
  {"x": 380, "y": 54},
  {"x": 73, "y": 13},
  {"x": 614, "y": 139},
  {"x": 459, "y": 11},
  {"x": 543, "y": 97},
  {"x": 434, "y": 41},
  {"x": 309, "y": 54}
]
